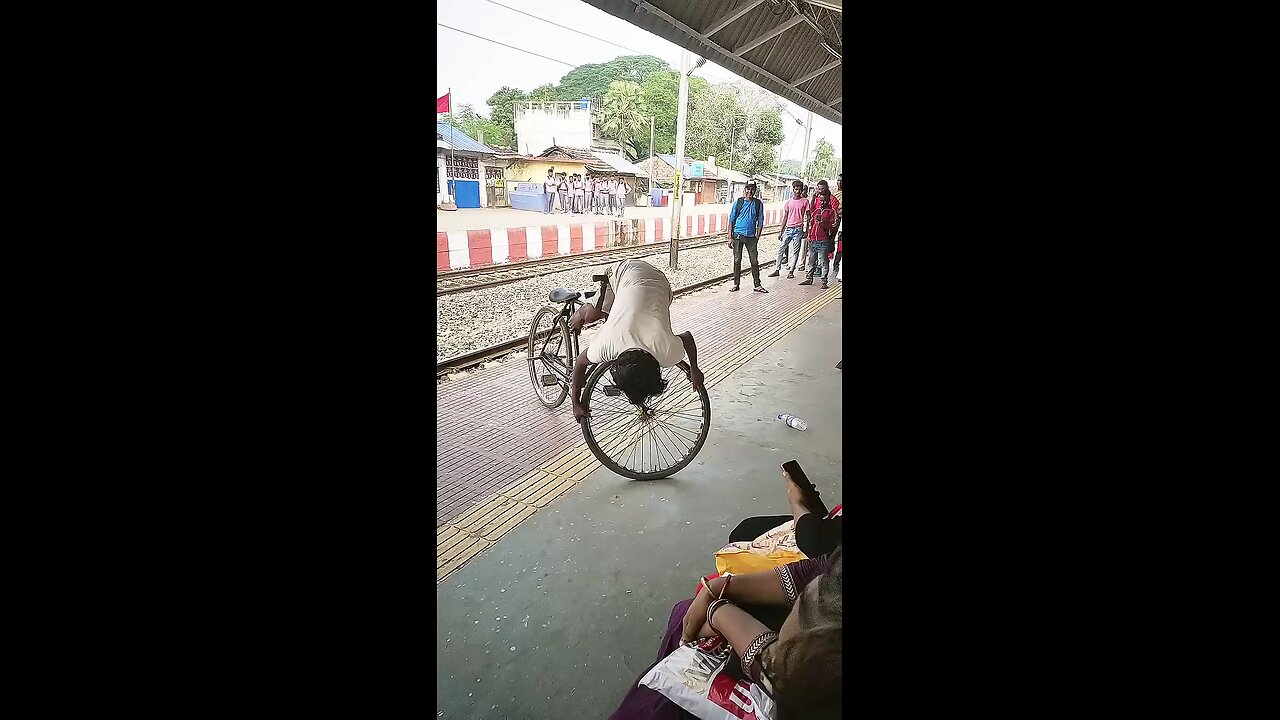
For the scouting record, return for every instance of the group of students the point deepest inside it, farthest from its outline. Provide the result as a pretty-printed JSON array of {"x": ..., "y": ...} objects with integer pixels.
[{"x": 577, "y": 194}]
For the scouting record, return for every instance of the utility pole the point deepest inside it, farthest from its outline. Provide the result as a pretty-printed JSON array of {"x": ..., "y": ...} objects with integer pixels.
[
  {"x": 651, "y": 158},
  {"x": 682, "y": 119},
  {"x": 804, "y": 166},
  {"x": 733, "y": 134}
]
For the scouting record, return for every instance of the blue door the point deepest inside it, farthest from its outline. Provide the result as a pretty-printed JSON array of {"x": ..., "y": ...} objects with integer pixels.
[{"x": 466, "y": 193}]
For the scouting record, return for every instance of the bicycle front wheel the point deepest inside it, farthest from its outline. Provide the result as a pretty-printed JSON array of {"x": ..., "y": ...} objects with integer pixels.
[
  {"x": 650, "y": 441},
  {"x": 549, "y": 361}
]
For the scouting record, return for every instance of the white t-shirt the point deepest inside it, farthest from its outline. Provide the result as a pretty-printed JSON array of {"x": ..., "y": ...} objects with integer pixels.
[{"x": 639, "y": 310}]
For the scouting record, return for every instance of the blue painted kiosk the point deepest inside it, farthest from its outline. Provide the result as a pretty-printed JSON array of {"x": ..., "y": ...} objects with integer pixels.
[{"x": 526, "y": 196}]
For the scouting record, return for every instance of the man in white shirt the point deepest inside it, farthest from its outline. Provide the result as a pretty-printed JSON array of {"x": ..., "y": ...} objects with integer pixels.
[{"x": 636, "y": 307}]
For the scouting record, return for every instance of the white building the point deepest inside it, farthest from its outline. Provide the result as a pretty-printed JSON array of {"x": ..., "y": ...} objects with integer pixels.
[{"x": 575, "y": 124}]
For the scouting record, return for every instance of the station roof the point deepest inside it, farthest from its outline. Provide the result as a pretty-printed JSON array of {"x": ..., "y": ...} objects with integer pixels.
[{"x": 791, "y": 48}]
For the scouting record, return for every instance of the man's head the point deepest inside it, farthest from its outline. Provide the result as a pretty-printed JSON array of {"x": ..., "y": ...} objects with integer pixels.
[
  {"x": 811, "y": 638},
  {"x": 822, "y": 188},
  {"x": 637, "y": 374},
  {"x": 797, "y": 188},
  {"x": 749, "y": 191}
]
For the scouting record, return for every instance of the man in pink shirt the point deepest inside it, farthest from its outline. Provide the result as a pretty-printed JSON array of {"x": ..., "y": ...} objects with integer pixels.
[{"x": 792, "y": 228}]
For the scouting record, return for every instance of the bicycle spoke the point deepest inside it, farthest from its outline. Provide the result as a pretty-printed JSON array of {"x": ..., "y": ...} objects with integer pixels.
[
  {"x": 680, "y": 432},
  {"x": 679, "y": 441},
  {"x": 675, "y": 458}
]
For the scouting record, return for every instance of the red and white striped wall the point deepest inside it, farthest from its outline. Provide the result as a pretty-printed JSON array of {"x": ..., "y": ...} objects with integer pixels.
[{"x": 456, "y": 249}]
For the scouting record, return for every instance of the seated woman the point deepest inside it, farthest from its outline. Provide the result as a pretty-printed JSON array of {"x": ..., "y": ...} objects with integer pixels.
[
  {"x": 800, "y": 666},
  {"x": 818, "y": 532}
]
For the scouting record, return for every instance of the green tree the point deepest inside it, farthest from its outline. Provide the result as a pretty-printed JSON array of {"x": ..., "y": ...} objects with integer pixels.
[
  {"x": 592, "y": 80},
  {"x": 714, "y": 119},
  {"x": 543, "y": 93},
  {"x": 477, "y": 126},
  {"x": 764, "y": 133},
  {"x": 823, "y": 163},
  {"x": 621, "y": 118},
  {"x": 791, "y": 167},
  {"x": 719, "y": 122},
  {"x": 661, "y": 91},
  {"x": 501, "y": 109}
]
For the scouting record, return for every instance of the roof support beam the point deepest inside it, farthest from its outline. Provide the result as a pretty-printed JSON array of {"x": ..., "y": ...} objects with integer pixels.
[
  {"x": 832, "y": 5},
  {"x": 769, "y": 36},
  {"x": 816, "y": 73},
  {"x": 835, "y": 102},
  {"x": 729, "y": 20},
  {"x": 659, "y": 13}
]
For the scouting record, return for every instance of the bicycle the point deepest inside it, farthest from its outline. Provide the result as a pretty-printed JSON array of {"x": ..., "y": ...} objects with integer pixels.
[{"x": 650, "y": 441}]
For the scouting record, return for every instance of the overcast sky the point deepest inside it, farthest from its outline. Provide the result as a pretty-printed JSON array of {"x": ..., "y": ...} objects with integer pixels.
[{"x": 475, "y": 68}]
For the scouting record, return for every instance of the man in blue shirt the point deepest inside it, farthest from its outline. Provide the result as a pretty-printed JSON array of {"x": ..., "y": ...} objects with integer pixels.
[{"x": 746, "y": 221}]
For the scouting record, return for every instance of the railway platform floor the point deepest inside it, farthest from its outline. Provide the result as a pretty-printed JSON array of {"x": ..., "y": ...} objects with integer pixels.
[{"x": 555, "y": 577}]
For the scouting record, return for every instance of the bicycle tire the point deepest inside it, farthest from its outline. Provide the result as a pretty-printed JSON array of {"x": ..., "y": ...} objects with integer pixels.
[
  {"x": 588, "y": 429},
  {"x": 558, "y": 324}
]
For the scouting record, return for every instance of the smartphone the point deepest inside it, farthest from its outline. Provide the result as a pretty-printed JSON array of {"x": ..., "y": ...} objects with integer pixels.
[{"x": 792, "y": 468}]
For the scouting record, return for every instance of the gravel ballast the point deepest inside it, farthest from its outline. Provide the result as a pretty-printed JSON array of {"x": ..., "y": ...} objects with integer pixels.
[{"x": 476, "y": 319}]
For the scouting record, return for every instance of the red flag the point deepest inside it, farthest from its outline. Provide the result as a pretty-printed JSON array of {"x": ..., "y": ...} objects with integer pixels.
[{"x": 442, "y": 103}]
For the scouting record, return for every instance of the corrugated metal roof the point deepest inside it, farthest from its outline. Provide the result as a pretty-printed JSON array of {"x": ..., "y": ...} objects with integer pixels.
[
  {"x": 707, "y": 170},
  {"x": 619, "y": 163},
  {"x": 596, "y": 162},
  {"x": 777, "y": 64},
  {"x": 732, "y": 175},
  {"x": 460, "y": 140}
]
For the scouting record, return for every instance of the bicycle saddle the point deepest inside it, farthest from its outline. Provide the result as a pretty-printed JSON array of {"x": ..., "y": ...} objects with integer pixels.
[{"x": 561, "y": 295}]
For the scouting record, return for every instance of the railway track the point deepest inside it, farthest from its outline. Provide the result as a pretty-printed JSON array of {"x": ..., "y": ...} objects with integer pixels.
[
  {"x": 475, "y": 278},
  {"x": 466, "y": 360}
]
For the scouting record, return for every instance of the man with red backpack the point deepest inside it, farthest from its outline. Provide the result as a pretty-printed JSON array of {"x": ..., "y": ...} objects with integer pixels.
[{"x": 822, "y": 228}]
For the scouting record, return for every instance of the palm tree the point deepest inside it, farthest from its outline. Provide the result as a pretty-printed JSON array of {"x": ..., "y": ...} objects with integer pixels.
[{"x": 623, "y": 120}]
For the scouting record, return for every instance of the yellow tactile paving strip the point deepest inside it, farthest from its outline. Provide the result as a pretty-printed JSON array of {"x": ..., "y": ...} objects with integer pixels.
[{"x": 480, "y": 527}]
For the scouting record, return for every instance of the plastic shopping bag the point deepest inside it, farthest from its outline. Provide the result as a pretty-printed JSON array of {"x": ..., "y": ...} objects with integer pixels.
[
  {"x": 694, "y": 678},
  {"x": 772, "y": 549}
]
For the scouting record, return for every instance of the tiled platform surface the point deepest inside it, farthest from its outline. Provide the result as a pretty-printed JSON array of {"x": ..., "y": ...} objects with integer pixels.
[{"x": 501, "y": 455}]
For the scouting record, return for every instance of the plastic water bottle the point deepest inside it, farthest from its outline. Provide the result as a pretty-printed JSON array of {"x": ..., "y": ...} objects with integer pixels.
[{"x": 795, "y": 422}]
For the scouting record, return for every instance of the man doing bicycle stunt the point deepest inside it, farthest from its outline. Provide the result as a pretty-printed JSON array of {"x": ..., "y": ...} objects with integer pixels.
[{"x": 636, "y": 308}]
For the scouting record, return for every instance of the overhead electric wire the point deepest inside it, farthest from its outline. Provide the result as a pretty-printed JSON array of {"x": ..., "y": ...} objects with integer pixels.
[
  {"x": 566, "y": 27},
  {"x": 513, "y": 47}
]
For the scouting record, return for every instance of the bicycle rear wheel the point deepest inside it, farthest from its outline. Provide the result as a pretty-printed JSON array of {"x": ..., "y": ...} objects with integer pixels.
[
  {"x": 549, "y": 356},
  {"x": 651, "y": 441}
]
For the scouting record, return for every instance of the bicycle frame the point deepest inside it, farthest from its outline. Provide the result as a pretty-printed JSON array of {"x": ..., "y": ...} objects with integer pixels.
[{"x": 559, "y": 369}]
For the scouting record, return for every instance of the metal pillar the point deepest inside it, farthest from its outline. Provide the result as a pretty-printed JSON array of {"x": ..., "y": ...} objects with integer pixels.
[
  {"x": 808, "y": 131},
  {"x": 682, "y": 119}
]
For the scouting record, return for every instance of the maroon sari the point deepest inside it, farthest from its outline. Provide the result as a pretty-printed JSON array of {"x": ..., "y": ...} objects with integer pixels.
[{"x": 643, "y": 703}]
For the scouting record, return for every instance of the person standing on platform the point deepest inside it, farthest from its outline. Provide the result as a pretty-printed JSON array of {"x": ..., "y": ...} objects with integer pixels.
[
  {"x": 746, "y": 221},
  {"x": 835, "y": 265},
  {"x": 549, "y": 192},
  {"x": 792, "y": 229},
  {"x": 620, "y": 194},
  {"x": 599, "y": 198},
  {"x": 580, "y": 196},
  {"x": 839, "y": 242},
  {"x": 822, "y": 228},
  {"x": 562, "y": 187}
]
